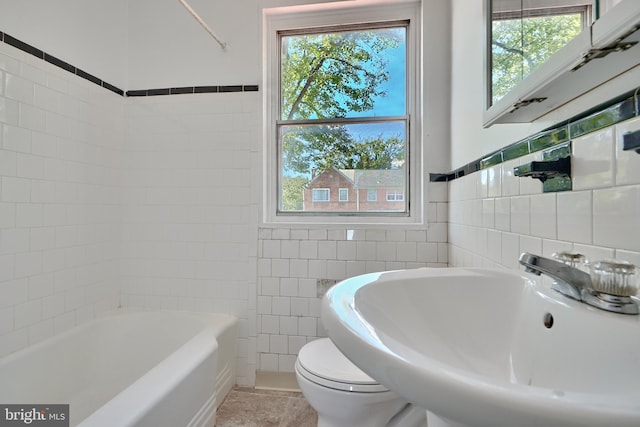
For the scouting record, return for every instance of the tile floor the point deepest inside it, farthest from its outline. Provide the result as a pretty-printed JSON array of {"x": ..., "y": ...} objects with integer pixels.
[{"x": 248, "y": 407}]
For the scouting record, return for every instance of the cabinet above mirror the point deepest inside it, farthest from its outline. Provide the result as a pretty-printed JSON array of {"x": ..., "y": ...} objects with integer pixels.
[{"x": 547, "y": 69}]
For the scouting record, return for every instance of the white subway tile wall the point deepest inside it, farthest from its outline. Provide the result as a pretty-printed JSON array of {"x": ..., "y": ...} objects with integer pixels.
[
  {"x": 60, "y": 150},
  {"x": 191, "y": 167},
  {"x": 627, "y": 170},
  {"x": 296, "y": 266},
  {"x": 108, "y": 201},
  {"x": 598, "y": 218},
  {"x": 593, "y": 160}
]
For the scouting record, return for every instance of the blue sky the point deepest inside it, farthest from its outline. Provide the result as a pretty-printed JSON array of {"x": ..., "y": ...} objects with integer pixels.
[{"x": 394, "y": 103}]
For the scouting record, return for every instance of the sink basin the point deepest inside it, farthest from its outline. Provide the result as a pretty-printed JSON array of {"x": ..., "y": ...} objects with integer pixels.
[{"x": 489, "y": 348}]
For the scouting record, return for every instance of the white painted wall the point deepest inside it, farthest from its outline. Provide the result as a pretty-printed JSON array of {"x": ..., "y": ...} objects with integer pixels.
[
  {"x": 143, "y": 44},
  {"x": 436, "y": 80},
  {"x": 89, "y": 34},
  {"x": 469, "y": 141},
  {"x": 169, "y": 48}
]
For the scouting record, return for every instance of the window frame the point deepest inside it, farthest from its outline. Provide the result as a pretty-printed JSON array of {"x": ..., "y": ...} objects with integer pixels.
[{"x": 279, "y": 20}]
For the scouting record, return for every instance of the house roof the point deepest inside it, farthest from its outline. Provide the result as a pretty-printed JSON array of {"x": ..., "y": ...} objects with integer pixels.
[
  {"x": 370, "y": 178},
  {"x": 373, "y": 178}
]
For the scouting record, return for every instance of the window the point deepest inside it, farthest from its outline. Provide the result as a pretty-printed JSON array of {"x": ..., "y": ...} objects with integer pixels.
[
  {"x": 344, "y": 92},
  {"x": 395, "y": 196},
  {"x": 320, "y": 195},
  {"x": 372, "y": 196}
]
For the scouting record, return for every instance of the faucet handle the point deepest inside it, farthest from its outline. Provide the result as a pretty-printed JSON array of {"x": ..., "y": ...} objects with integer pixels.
[
  {"x": 615, "y": 277},
  {"x": 572, "y": 259}
]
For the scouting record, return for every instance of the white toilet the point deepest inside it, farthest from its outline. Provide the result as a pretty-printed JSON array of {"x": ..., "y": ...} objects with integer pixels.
[{"x": 344, "y": 396}]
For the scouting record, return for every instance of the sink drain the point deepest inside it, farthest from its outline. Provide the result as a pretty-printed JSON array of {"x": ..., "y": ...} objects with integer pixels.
[{"x": 547, "y": 320}]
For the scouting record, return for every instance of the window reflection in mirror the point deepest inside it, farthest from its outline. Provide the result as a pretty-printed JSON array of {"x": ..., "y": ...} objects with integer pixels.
[{"x": 525, "y": 33}]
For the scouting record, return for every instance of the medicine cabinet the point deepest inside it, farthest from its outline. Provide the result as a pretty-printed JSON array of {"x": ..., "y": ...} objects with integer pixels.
[{"x": 527, "y": 76}]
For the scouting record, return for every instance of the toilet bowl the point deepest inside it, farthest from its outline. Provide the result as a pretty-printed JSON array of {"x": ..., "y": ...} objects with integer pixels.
[{"x": 343, "y": 395}]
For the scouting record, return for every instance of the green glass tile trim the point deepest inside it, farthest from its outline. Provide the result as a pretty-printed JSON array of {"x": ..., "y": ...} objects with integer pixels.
[
  {"x": 557, "y": 152},
  {"x": 607, "y": 117},
  {"x": 616, "y": 110},
  {"x": 549, "y": 138},
  {"x": 491, "y": 160},
  {"x": 558, "y": 183},
  {"x": 513, "y": 151}
]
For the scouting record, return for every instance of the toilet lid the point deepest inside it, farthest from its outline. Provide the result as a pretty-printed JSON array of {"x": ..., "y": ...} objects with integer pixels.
[{"x": 321, "y": 362}]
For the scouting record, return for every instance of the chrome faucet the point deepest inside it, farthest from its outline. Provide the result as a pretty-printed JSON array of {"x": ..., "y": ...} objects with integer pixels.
[
  {"x": 577, "y": 284},
  {"x": 568, "y": 280}
]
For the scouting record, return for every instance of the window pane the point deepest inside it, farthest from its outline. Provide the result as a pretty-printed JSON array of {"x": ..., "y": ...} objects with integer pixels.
[
  {"x": 344, "y": 74},
  {"x": 395, "y": 196},
  {"x": 361, "y": 158},
  {"x": 344, "y": 195},
  {"x": 320, "y": 195},
  {"x": 521, "y": 43}
]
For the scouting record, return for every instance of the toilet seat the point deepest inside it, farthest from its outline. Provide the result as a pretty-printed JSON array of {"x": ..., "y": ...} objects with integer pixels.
[{"x": 321, "y": 362}]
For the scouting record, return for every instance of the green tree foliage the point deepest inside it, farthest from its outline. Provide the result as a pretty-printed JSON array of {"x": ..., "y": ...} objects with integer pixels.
[
  {"x": 329, "y": 75},
  {"x": 306, "y": 147},
  {"x": 292, "y": 192},
  {"x": 327, "y": 146},
  {"x": 520, "y": 46},
  {"x": 378, "y": 153}
]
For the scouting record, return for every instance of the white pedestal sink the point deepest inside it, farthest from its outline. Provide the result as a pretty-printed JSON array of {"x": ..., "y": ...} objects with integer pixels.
[{"x": 489, "y": 348}]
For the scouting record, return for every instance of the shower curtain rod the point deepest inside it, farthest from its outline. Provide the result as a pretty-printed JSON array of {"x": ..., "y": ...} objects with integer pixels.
[{"x": 193, "y": 13}]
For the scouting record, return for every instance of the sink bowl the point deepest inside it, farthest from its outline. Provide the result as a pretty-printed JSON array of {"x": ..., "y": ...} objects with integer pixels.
[{"x": 489, "y": 348}]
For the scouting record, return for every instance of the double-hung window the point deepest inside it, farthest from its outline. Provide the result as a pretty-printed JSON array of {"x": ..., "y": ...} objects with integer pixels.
[{"x": 339, "y": 115}]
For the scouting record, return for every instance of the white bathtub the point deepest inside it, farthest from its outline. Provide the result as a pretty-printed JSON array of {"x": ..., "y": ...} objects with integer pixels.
[{"x": 132, "y": 368}]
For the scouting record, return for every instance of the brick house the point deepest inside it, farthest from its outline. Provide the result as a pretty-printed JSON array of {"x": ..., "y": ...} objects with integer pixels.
[{"x": 355, "y": 190}]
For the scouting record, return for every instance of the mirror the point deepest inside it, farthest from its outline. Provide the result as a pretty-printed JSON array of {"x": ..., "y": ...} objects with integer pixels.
[{"x": 523, "y": 34}]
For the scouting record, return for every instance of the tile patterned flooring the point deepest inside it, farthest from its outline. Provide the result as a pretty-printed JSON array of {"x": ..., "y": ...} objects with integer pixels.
[{"x": 248, "y": 407}]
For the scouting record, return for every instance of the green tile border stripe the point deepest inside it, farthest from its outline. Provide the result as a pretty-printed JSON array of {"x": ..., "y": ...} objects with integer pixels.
[
  {"x": 549, "y": 139},
  {"x": 607, "y": 117},
  {"x": 616, "y": 110}
]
